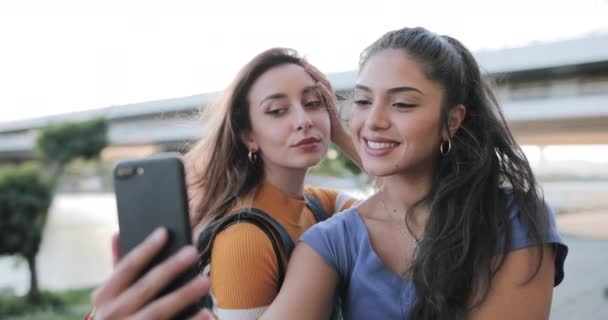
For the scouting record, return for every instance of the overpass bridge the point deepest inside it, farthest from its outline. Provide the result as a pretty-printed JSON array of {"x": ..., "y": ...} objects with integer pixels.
[{"x": 551, "y": 93}]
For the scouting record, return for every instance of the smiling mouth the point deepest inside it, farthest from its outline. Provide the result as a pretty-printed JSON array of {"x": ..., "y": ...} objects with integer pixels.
[{"x": 380, "y": 145}]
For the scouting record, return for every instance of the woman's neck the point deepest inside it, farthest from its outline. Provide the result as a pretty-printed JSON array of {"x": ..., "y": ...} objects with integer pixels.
[
  {"x": 289, "y": 181},
  {"x": 403, "y": 191}
]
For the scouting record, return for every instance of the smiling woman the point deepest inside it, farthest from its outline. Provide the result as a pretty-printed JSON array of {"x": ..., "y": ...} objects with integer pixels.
[
  {"x": 458, "y": 228},
  {"x": 414, "y": 114}
]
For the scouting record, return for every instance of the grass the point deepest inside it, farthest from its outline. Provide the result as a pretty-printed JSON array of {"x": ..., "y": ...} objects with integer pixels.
[{"x": 55, "y": 305}]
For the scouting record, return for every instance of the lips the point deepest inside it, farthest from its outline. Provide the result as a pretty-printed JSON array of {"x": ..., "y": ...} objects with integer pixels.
[
  {"x": 378, "y": 147},
  {"x": 307, "y": 141},
  {"x": 380, "y": 143}
]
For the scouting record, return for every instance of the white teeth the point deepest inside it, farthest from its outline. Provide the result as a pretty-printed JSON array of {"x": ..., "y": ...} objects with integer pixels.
[{"x": 380, "y": 145}]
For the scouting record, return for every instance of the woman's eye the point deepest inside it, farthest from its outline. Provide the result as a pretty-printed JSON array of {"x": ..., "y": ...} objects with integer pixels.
[
  {"x": 314, "y": 104},
  {"x": 361, "y": 103},
  {"x": 276, "y": 112},
  {"x": 403, "y": 105}
]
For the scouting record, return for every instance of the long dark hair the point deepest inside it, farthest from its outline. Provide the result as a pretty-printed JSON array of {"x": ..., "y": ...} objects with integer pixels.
[
  {"x": 220, "y": 173},
  {"x": 468, "y": 227}
]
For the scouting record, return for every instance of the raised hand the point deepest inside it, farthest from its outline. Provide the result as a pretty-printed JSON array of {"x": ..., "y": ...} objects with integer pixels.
[
  {"x": 124, "y": 296},
  {"x": 339, "y": 135}
]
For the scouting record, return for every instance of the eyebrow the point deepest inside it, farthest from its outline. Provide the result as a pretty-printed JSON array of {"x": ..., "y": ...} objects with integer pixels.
[
  {"x": 310, "y": 88},
  {"x": 391, "y": 90},
  {"x": 275, "y": 96}
]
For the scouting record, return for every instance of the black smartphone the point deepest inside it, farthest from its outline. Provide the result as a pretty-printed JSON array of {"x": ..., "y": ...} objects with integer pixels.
[{"x": 151, "y": 193}]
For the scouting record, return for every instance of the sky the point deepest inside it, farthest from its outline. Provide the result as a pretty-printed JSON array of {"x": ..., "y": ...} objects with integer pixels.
[{"x": 63, "y": 56}]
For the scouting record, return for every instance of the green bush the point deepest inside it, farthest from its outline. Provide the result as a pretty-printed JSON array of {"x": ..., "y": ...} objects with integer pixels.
[
  {"x": 25, "y": 197},
  {"x": 64, "y": 142},
  {"x": 69, "y": 304},
  {"x": 336, "y": 164}
]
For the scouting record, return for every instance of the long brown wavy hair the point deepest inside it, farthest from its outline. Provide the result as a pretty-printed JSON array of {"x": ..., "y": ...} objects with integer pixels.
[
  {"x": 471, "y": 186},
  {"x": 219, "y": 173}
]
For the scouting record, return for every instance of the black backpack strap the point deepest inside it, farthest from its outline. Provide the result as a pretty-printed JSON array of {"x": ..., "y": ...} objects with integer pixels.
[
  {"x": 287, "y": 242},
  {"x": 315, "y": 206},
  {"x": 279, "y": 238},
  {"x": 259, "y": 219}
]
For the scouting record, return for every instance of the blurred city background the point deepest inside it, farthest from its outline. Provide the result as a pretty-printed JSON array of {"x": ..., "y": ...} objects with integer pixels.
[{"x": 553, "y": 90}]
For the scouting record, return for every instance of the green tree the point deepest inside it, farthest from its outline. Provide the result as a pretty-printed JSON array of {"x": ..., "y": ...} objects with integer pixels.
[
  {"x": 336, "y": 163},
  {"x": 27, "y": 195},
  {"x": 59, "y": 144}
]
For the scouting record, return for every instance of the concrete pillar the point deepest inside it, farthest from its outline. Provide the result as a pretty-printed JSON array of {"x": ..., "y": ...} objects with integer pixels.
[{"x": 542, "y": 158}]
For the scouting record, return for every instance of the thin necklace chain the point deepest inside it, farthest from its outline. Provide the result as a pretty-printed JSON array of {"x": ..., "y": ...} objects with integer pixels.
[{"x": 404, "y": 227}]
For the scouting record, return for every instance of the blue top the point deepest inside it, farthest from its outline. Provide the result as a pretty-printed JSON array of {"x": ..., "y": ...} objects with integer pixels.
[{"x": 370, "y": 290}]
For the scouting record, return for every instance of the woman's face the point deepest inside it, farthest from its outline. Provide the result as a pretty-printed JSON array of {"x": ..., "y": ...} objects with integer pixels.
[
  {"x": 395, "y": 121},
  {"x": 289, "y": 123}
]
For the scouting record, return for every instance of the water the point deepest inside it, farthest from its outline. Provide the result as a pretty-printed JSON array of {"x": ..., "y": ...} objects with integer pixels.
[{"x": 75, "y": 251}]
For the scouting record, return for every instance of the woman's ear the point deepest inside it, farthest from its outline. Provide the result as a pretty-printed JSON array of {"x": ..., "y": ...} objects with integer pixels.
[
  {"x": 249, "y": 141},
  {"x": 455, "y": 117}
]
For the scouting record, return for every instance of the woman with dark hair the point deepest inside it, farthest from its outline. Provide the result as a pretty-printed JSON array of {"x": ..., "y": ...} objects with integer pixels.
[
  {"x": 261, "y": 138},
  {"x": 458, "y": 228}
]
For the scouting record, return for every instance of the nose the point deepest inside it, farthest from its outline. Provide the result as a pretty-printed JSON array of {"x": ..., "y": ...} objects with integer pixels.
[
  {"x": 302, "y": 120},
  {"x": 378, "y": 118}
]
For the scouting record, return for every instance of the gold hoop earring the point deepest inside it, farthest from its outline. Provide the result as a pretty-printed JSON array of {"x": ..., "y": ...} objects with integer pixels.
[{"x": 442, "y": 148}]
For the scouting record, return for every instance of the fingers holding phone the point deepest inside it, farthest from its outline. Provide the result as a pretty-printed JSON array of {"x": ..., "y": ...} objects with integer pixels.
[
  {"x": 115, "y": 249},
  {"x": 128, "y": 293},
  {"x": 155, "y": 271}
]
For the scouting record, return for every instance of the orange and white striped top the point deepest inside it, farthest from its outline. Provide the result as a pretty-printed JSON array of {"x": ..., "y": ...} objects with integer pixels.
[{"x": 244, "y": 270}]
